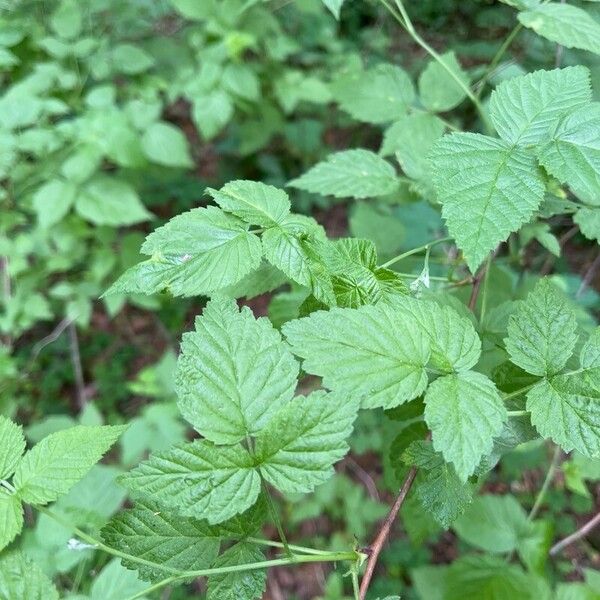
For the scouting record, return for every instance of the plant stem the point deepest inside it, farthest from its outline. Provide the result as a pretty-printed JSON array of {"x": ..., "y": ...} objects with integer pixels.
[
  {"x": 301, "y": 549},
  {"x": 574, "y": 537},
  {"x": 517, "y": 413},
  {"x": 546, "y": 485},
  {"x": 414, "y": 251},
  {"x": 276, "y": 520},
  {"x": 384, "y": 531},
  {"x": 520, "y": 392},
  {"x": 355, "y": 587},
  {"x": 484, "y": 295},
  {"x": 431, "y": 277}
]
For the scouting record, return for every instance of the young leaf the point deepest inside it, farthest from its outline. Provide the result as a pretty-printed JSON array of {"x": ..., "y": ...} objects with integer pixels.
[
  {"x": 188, "y": 254},
  {"x": 464, "y": 413},
  {"x": 542, "y": 332},
  {"x": 350, "y": 174},
  {"x": 253, "y": 202},
  {"x": 22, "y": 579},
  {"x": 524, "y": 109},
  {"x": 572, "y": 154},
  {"x": 438, "y": 90},
  {"x": 242, "y": 585},
  {"x": 198, "y": 479},
  {"x": 487, "y": 188},
  {"x": 171, "y": 541},
  {"x": 11, "y": 518},
  {"x": 233, "y": 374},
  {"x": 379, "y": 95},
  {"x": 12, "y": 446},
  {"x": 299, "y": 446},
  {"x": 374, "y": 353},
  {"x": 565, "y": 24},
  {"x": 60, "y": 460},
  {"x": 166, "y": 145}
]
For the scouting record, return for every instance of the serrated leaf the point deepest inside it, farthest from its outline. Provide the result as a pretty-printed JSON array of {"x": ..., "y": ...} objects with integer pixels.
[
  {"x": 438, "y": 90},
  {"x": 295, "y": 247},
  {"x": 242, "y": 585},
  {"x": 464, "y": 413},
  {"x": 565, "y": 24},
  {"x": 299, "y": 446},
  {"x": 233, "y": 374},
  {"x": 350, "y": 174},
  {"x": 487, "y": 188},
  {"x": 11, "y": 518},
  {"x": 22, "y": 579},
  {"x": 439, "y": 490},
  {"x": 588, "y": 220},
  {"x": 572, "y": 155},
  {"x": 12, "y": 446},
  {"x": 189, "y": 254},
  {"x": 54, "y": 465},
  {"x": 524, "y": 109},
  {"x": 374, "y": 353},
  {"x": 173, "y": 542},
  {"x": 542, "y": 332},
  {"x": 198, "y": 479},
  {"x": 590, "y": 352},
  {"x": 166, "y": 145},
  {"x": 379, "y": 95},
  {"x": 253, "y": 202}
]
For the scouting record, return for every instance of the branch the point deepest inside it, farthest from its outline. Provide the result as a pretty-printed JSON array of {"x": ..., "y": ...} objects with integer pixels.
[
  {"x": 574, "y": 537},
  {"x": 375, "y": 548}
]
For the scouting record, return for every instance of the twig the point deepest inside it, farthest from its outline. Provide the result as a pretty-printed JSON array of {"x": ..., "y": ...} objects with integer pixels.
[
  {"x": 50, "y": 338},
  {"x": 577, "y": 535},
  {"x": 366, "y": 479},
  {"x": 77, "y": 368},
  {"x": 477, "y": 279},
  {"x": 589, "y": 275},
  {"x": 546, "y": 485},
  {"x": 375, "y": 548}
]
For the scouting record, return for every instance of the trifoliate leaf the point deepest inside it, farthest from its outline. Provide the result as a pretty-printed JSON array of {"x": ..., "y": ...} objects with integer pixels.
[
  {"x": 173, "y": 542},
  {"x": 54, "y": 465},
  {"x": 573, "y": 153},
  {"x": 374, "y": 353},
  {"x": 11, "y": 517},
  {"x": 295, "y": 247},
  {"x": 588, "y": 220},
  {"x": 12, "y": 446},
  {"x": 166, "y": 145},
  {"x": 542, "y": 332},
  {"x": 299, "y": 446},
  {"x": 487, "y": 188},
  {"x": 241, "y": 585},
  {"x": 22, "y": 579},
  {"x": 233, "y": 374},
  {"x": 379, "y": 95},
  {"x": 524, "y": 109},
  {"x": 253, "y": 202},
  {"x": 350, "y": 174},
  {"x": 198, "y": 479},
  {"x": 439, "y": 490},
  {"x": 189, "y": 254},
  {"x": 439, "y": 91},
  {"x": 464, "y": 413},
  {"x": 565, "y": 24}
]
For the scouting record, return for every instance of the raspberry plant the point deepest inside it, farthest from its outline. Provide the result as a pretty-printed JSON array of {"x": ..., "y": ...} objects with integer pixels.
[{"x": 468, "y": 381}]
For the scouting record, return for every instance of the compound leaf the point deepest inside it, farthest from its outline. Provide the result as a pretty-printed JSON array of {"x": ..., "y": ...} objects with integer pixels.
[{"x": 12, "y": 446}]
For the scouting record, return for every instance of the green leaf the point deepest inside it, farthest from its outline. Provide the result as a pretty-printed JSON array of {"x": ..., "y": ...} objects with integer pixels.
[
  {"x": 296, "y": 248},
  {"x": 439, "y": 91},
  {"x": 189, "y": 254},
  {"x": 169, "y": 540},
  {"x": 350, "y": 174},
  {"x": 411, "y": 139},
  {"x": 12, "y": 446},
  {"x": 211, "y": 112},
  {"x": 588, "y": 220},
  {"x": 53, "y": 201},
  {"x": 494, "y": 524},
  {"x": 487, "y": 188},
  {"x": 130, "y": 59},
  {"x": 11, "y": 518},
  {"x": 22, "y": 579},
  {"x": 573, "y": 153},
  {"x": 105, "y": 200},
  {"x": 54, "y": 465},
  {"x": 115, "y": 582},
  {"x": 542, "y": 332},
  {"x": 299, "y": 446},
  {"x": 439, "y": 490},
  {"x": 67, "y": 19},
  {"x": 565, "y": 24},
  {"x": 374, "y": 353},
  {"x": 198, "y": 479},
  {"x": 253, "y": 202},
  {"x": 524, "y": 109},
  {"x": 464, "y": 413},
  {"x": 166, "y": 145},
  {"x": 241, "y": 585},
  {"x": 234, "y": 373},
  {"x": 334, "y": 6}
]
